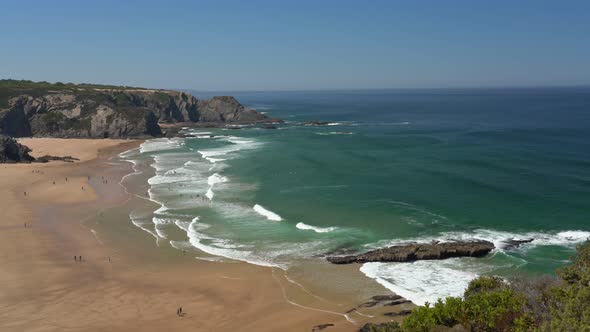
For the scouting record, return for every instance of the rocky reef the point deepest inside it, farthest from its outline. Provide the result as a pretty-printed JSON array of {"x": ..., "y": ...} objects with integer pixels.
[
  {"x": 419, "y": 251},
  {"x": 95, "y": 111}
]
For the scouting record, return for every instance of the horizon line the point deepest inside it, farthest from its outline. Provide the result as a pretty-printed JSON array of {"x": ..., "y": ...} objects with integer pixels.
[
  {"x": 458, "y": 87},
  {"x": 494, "y": 87}
]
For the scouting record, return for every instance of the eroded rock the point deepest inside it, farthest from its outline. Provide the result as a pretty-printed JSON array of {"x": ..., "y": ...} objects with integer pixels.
[
  {"x": 12, "y": 151},
  {"x": 419, "y": 251}
]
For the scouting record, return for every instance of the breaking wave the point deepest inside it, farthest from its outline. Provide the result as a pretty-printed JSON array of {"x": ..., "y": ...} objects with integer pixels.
[
  {"x": 266, "y": 213},
  {"x": 563, "y": 238},
  {"x": 316, "y": 229},
  {"x": 421, "y": 281}
]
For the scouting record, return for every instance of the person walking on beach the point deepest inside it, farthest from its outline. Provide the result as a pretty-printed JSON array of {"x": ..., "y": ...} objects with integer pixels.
[{"x": 76, "y": 258}]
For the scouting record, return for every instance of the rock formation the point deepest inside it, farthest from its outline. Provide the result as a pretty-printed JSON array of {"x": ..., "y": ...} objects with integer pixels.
[
  {"x": 511, "y": 244},
  {"x": 69, "y": 110},
  {"x": 47, "y": 158},
  {"x": 13, "y": 152},
  {"x": 419, "y": 251}
]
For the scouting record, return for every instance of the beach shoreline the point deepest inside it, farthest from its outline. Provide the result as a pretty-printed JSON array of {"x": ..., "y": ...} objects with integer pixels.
[{"x": 124, "y": 281}]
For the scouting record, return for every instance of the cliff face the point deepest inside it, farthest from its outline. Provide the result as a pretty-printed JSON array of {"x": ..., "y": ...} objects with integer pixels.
[
  {"x": 76, "y": 111},
  {"x": 226, "y": 109}
]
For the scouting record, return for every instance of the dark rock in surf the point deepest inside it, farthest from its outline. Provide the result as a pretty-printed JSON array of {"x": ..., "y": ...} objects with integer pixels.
[
  {"x": 512, "y": 244},
  {"x": 419, "y": 251},
  {"x": 316, "y": 123}
]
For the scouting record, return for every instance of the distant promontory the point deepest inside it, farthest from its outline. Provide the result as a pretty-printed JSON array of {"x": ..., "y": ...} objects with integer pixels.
[{"x": 45, "y": 109}]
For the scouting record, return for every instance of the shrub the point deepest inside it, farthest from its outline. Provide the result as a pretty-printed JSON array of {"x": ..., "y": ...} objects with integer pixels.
[
  {"x": 484, "y": 284},
  {"x": 570, "y": 305},
  {"x": 495, "y": 310},
  {"x": 488, "y": 305},
  {"x": 420, "y": 320},
  {"x": 538, "y": 294},
  {"x": 383, "y": 327}
]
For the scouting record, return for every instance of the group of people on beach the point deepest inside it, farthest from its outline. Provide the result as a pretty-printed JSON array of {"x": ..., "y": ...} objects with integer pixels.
[
  {"x": 79, "y": 258},
  {"x": 179, "y": 312}
]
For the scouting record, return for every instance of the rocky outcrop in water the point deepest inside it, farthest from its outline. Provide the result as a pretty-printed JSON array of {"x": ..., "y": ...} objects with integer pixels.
[
  {"x": 419, "y": 251},
  {"x": 511, "y": 244},
  {"x": 69, "y": 110},
  {"x": 13, "y": 152}
]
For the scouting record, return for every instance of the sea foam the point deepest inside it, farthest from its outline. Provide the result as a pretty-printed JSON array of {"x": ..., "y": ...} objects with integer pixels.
[
  {"x": 316, "y": 229},
  {"x": 421, "y": 281},
  {"x": 160, "y": 144},
  {"x": 213, "y": 180},
  {"x": 563, "y": 238},
  {"x": 223, "y": 248},
  {"x": 425, "y": 281},
  {"x": 266, "y": 213}
]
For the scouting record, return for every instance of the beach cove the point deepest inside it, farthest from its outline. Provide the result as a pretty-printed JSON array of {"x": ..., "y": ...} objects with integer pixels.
[{"x": 124, "y": 280}]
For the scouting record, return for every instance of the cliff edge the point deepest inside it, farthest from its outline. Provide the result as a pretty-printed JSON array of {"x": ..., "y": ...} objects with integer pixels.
[{"x": 99, "y": 111}]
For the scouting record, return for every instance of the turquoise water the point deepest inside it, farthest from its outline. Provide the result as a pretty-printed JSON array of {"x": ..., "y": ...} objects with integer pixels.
[{"x": 392, "y": 166}]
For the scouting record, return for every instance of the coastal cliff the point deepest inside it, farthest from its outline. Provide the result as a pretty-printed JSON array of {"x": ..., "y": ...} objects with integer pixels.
[{"x": 96, "y": 111}]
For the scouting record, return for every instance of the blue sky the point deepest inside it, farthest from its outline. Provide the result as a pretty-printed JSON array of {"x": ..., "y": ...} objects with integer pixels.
[{"x": 284, "y": 45}]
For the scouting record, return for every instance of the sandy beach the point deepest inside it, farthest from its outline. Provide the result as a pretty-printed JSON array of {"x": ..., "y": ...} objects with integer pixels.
[{"x": 125, "y": 282}]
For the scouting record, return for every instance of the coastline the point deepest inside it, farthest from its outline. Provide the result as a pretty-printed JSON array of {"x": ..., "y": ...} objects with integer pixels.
[{"x": 124, "y": 280}]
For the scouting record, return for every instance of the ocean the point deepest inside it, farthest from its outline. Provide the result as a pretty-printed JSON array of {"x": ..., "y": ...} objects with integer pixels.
[{"x": 391, "y": 166}]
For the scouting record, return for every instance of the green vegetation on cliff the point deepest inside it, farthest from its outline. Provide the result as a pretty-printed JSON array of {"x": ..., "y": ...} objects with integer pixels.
[
  {"x": 490, "y": 304},
  {"x": 11, "y": 88},
  {"x": 90, "y": 110}
]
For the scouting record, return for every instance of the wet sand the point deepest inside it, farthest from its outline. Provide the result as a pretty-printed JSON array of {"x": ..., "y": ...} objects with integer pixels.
[{"x": 125, "y": 281}]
